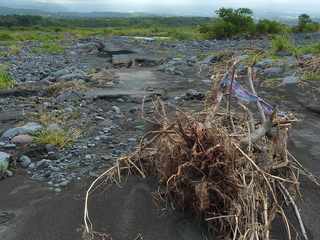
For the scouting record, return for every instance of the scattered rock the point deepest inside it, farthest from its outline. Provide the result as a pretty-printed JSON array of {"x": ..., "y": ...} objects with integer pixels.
[
  {"x": 69, "y": 95},
  {"x": 29, "y": 128},
  {"x": 43, "y": 163},
  {"x": 116, "y": 109},
  {"x": 102, "y": 78},
  {"x": 24, "y": 161},
  {"x": 146, "y": 62},
  {"x": 4, "y": 161},
  {"x": 64, "y": 183},
  {"x": 211, "y": 60},
  {"x": 306, "y": 57},
  {"x": 283, "y": 53},
  {"x": 193, "y": 94},
  {"x": 264, "y": 63},
  {"x": 9, "y": 146},
  {"x": 32, "y": 166},
  {"x": 273, "y": 72},
  {"x": 293, "y": 79}
]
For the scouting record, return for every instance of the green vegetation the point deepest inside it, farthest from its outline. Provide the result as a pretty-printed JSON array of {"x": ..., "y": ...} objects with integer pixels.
[
  {"x": 59, "y": 138},
  {"x": 6, "y": 81},
  {"x": 49, "y": 47},
  {"x": 283, "y": 43},
  {"x": 310, "y": 48},
  {"x": 237, "y": 22},
  {"x": 133, "y": 22},
  {"x": 228, "y": 23},
  {"x": 5, "y": 36},
  {"x": 305, "y": 24},
  {"x": 270, "y": 27}
]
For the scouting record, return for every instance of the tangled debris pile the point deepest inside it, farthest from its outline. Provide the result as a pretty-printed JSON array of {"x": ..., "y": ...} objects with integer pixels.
[
  {"x": 310, "y": 67},
  {"x": 226, "y": 166}
]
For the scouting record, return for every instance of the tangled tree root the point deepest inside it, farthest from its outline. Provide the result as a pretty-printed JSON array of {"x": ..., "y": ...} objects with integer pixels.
[{"x": 233, "y": 171}]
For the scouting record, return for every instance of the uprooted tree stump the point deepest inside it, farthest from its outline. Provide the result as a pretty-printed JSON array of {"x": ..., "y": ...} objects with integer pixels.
[{"x": 227, "y": 167}]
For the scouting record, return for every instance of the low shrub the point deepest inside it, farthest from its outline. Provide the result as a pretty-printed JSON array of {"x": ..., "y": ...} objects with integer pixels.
[
  {"x": 6, "y": 81},
  {"x": 283, "y": 43},
  {"x": 269, "y": 26},
  {"x": 59, "y": 138}
]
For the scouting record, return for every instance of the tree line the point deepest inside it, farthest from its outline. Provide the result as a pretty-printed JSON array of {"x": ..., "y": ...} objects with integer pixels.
[{"x": 228, "y": 23}]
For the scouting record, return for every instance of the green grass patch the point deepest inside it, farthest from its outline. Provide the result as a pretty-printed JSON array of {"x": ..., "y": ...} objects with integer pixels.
[
  {"x": 310, "y": 48},
  {"x": 6, "y": 37},
  {"x": 283, "y": 43},
  {"x": 6, "y": 81},
  {"x": 58, "y": 138},
  {"x": 50, "y": 48},
  {"x": 29, "y": 34}
]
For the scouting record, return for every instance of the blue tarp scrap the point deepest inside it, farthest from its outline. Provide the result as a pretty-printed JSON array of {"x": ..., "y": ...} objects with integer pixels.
[{"x": 244, "y": 95}]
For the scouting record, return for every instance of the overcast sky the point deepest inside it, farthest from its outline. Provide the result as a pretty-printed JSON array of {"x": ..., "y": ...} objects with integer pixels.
[{"x": 181, "y": 6}]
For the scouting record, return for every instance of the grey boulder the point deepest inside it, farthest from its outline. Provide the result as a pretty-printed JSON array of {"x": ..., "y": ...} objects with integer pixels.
[{"x": 29, "y": 128}]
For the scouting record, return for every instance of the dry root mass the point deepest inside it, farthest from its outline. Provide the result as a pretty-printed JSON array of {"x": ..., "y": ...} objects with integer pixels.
[{"x": 230, "y": 169}]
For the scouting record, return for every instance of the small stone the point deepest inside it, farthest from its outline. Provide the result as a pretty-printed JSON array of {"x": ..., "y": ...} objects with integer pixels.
[
  {"x": 4, "y": 161},
  {"x": 57, "y": 190},
  {"x": 10, "y": 146},
  {"x": 97, "y": 138},
  {"x": 43, "y": 163},
  {"x": 64, "y": 183},
  {"x": 290, "y": 80},
  {"x": 193, "y": 94},
  {"x": 132, "y": 139},
  {"x": 25, "y": 161},
  {"x": 93, "y": 174},
  {"x": 99, "y": 118},
  {"x": 106, "y": 157},
  {"x": 91, "y": 145},
  {"x": 9, "y": 173},
  {"x": 273, "y": 72},
  {"x": 88, "y": 157},
  {"x": 32, "y": 166},
  {"x": 116, "y": 109},
  {"x": 22, "y": 139},
  {"x": 106, "y": 130},
  {"x": 50, "y": 148}
]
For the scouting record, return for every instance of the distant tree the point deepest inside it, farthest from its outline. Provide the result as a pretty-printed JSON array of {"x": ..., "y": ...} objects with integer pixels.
[
  {"x": 304, "y": 19},
  {"x": 230, "y": 22},
  {"x": 241, "y": 17},
  {"x": 305, "y": 24}
]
